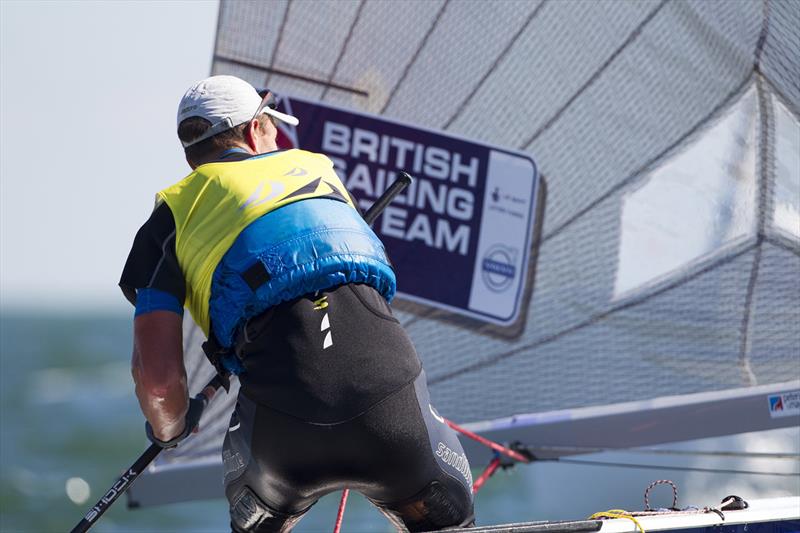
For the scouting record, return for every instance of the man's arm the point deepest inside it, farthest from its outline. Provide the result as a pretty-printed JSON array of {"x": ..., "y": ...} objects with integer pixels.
[
  {"x": 153, "y": 282},
  {"x": 159, "y": 373}
]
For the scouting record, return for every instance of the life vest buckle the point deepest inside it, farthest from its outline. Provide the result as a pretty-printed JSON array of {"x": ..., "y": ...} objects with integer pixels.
[{"x": 215, "y": 352}]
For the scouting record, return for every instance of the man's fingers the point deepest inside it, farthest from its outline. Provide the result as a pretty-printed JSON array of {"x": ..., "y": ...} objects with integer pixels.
[{"x": 209, "y": 392}]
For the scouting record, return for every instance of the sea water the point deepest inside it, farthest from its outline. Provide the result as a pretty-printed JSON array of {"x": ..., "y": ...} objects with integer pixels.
[{"x": 70, "y": 424}]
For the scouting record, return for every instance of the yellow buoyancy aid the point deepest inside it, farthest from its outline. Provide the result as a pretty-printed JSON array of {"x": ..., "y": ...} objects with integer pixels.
[{"x": 213, "y": 204}]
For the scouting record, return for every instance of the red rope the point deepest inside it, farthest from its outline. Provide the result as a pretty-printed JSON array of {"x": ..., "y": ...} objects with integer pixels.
[
  {"x": 489, "y": 472},
  {"x": 486, "y": 442},
  {"x": 338, "y": 527}
]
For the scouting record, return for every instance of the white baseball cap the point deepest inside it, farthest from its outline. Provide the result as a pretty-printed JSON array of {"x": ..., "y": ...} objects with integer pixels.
[{"x": 226, "y": 102}]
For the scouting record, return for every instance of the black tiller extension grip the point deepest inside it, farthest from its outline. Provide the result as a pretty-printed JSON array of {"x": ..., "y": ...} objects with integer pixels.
[
  {"x": 130, "y": 475},
  {"x": 402, "y": 181}
]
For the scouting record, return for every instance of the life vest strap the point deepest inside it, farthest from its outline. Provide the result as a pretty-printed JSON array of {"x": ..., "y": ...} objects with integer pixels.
[
  {"x": 256, "y": 276},
  {"x": 215, "y": 352}
]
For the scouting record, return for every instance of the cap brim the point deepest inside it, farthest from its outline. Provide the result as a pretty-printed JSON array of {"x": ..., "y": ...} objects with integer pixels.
[{"x": 283, "y": 117}]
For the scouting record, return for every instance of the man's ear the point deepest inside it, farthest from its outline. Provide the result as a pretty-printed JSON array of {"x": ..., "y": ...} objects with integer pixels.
[{"x": 251, "y": 134}]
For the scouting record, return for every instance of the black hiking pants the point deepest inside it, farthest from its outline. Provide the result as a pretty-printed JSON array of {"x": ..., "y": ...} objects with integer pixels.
[{"x": 333, "y": 396}]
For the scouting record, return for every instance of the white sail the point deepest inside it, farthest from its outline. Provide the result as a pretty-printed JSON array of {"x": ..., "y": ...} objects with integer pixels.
[{"x": 666, "y": 273}]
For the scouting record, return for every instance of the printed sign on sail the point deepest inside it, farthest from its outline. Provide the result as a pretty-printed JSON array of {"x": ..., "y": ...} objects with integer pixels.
[
  {"x": 460, "y": 235},
  {"x": 784, "y": 404}
]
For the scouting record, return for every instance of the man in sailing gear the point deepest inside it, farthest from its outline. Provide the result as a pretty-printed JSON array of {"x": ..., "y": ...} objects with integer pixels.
[{"x": 269, "y": 253}]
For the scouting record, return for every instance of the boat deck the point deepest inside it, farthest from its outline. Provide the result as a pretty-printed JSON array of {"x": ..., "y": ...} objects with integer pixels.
[{"x": 568, "y": 526}]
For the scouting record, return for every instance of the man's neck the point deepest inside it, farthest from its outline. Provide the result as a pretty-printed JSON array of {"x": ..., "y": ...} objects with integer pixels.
[{"x": 230, "y": 152}]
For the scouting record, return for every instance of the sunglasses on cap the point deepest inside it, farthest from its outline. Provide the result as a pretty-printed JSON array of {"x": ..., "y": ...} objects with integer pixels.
[
  {"x": 267, "y": 100},
  {"x": 269, "y": 105}
]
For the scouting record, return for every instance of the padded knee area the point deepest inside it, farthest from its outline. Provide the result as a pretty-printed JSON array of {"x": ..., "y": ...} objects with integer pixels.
[
  {"x": 435, "y": 507},
  {"x": 251, "y": 515}
]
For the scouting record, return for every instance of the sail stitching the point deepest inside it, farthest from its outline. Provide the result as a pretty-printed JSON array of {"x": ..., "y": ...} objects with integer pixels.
[
  {"x": 343, "y": 50},
  {"x": 744, "y": 329},
  {"x": 640, "y": 172},
  {"x": 766, "y": 163},
  {"x": 764, "y": 173},
  {"x": 293, "y": 75},
  {"x": 220, "y": 12},
  {"x": 278, "y": 42},
  {"x": 588, "y": 322},
  {"x": 499, "y": 59},
  {"x": 414, "y": 56},
  {"x": 782, "y": 245},
  {"x": 776, "y": 91},
  {"x": 594, "y": 77},
  {"x": 762, "y": 36}
]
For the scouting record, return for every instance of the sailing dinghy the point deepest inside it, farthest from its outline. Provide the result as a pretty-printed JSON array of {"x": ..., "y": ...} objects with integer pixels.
[{"x": 603, "y": 249}]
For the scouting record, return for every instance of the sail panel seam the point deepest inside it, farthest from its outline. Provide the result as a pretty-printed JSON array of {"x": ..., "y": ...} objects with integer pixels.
[
  {"x": 643, "y": 169},
  {"x": 595, "y": 76},
  {"x": 744, "y": 329},
  {"x": 763, "y": 175},
  {"x": 591, "y": 320},
  {"x": 414, "y": 57},
  {"x": 766, "y": 161},
  {"x": 789, "y": 246},
  {"x": 499, "y": 59},
  {"x": 293, "y": 75},
  {"x": 216, "y": 37},
  {"x": 773, "y": 88},
  {"x": 343, "y": 50},
  {"x": 762, "y": 36},
  {"x": 278, "y": 41}
]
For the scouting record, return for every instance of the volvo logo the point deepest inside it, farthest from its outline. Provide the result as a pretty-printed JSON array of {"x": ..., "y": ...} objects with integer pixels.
[{"x": 499, "y": 267}]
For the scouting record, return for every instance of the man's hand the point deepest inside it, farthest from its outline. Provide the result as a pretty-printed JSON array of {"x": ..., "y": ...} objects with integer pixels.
[{"x": 191, "y": 420}]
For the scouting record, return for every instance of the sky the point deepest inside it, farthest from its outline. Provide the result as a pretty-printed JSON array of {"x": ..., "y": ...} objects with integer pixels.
[{"x": 88, "y": 96}]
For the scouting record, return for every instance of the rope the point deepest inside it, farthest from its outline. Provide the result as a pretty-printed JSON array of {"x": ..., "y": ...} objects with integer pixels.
[
  {"x": 496, "y": 462},
  {"x": 487, "y": 473},
  {"x": 618, "y": 513},
  {"x": 486, "y": 442},
  {"x": 476, "y": 486},
  {"x": 342, "y": 503},
  {"x": 674, "y": 468},
  {"x": 734, "y": 501},
  {"x": 660, "y": 482}
]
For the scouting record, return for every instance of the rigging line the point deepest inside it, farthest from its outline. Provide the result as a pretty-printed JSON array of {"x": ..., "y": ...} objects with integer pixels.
[
  {"x": 494, "y": 66},
  {"x": 414, "y": 57},
  {"x": 662, "y": 451},
  {"x": 639, "y": 172},
  {"x": 589, "y": 321},
  {"x": 676, "y": 468},
  {"x": 343, "y": 49},
  {"x": 292, "y": 75},
  {"x": 278, "y": 42},
  {"x": 595, "y": 76}
]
